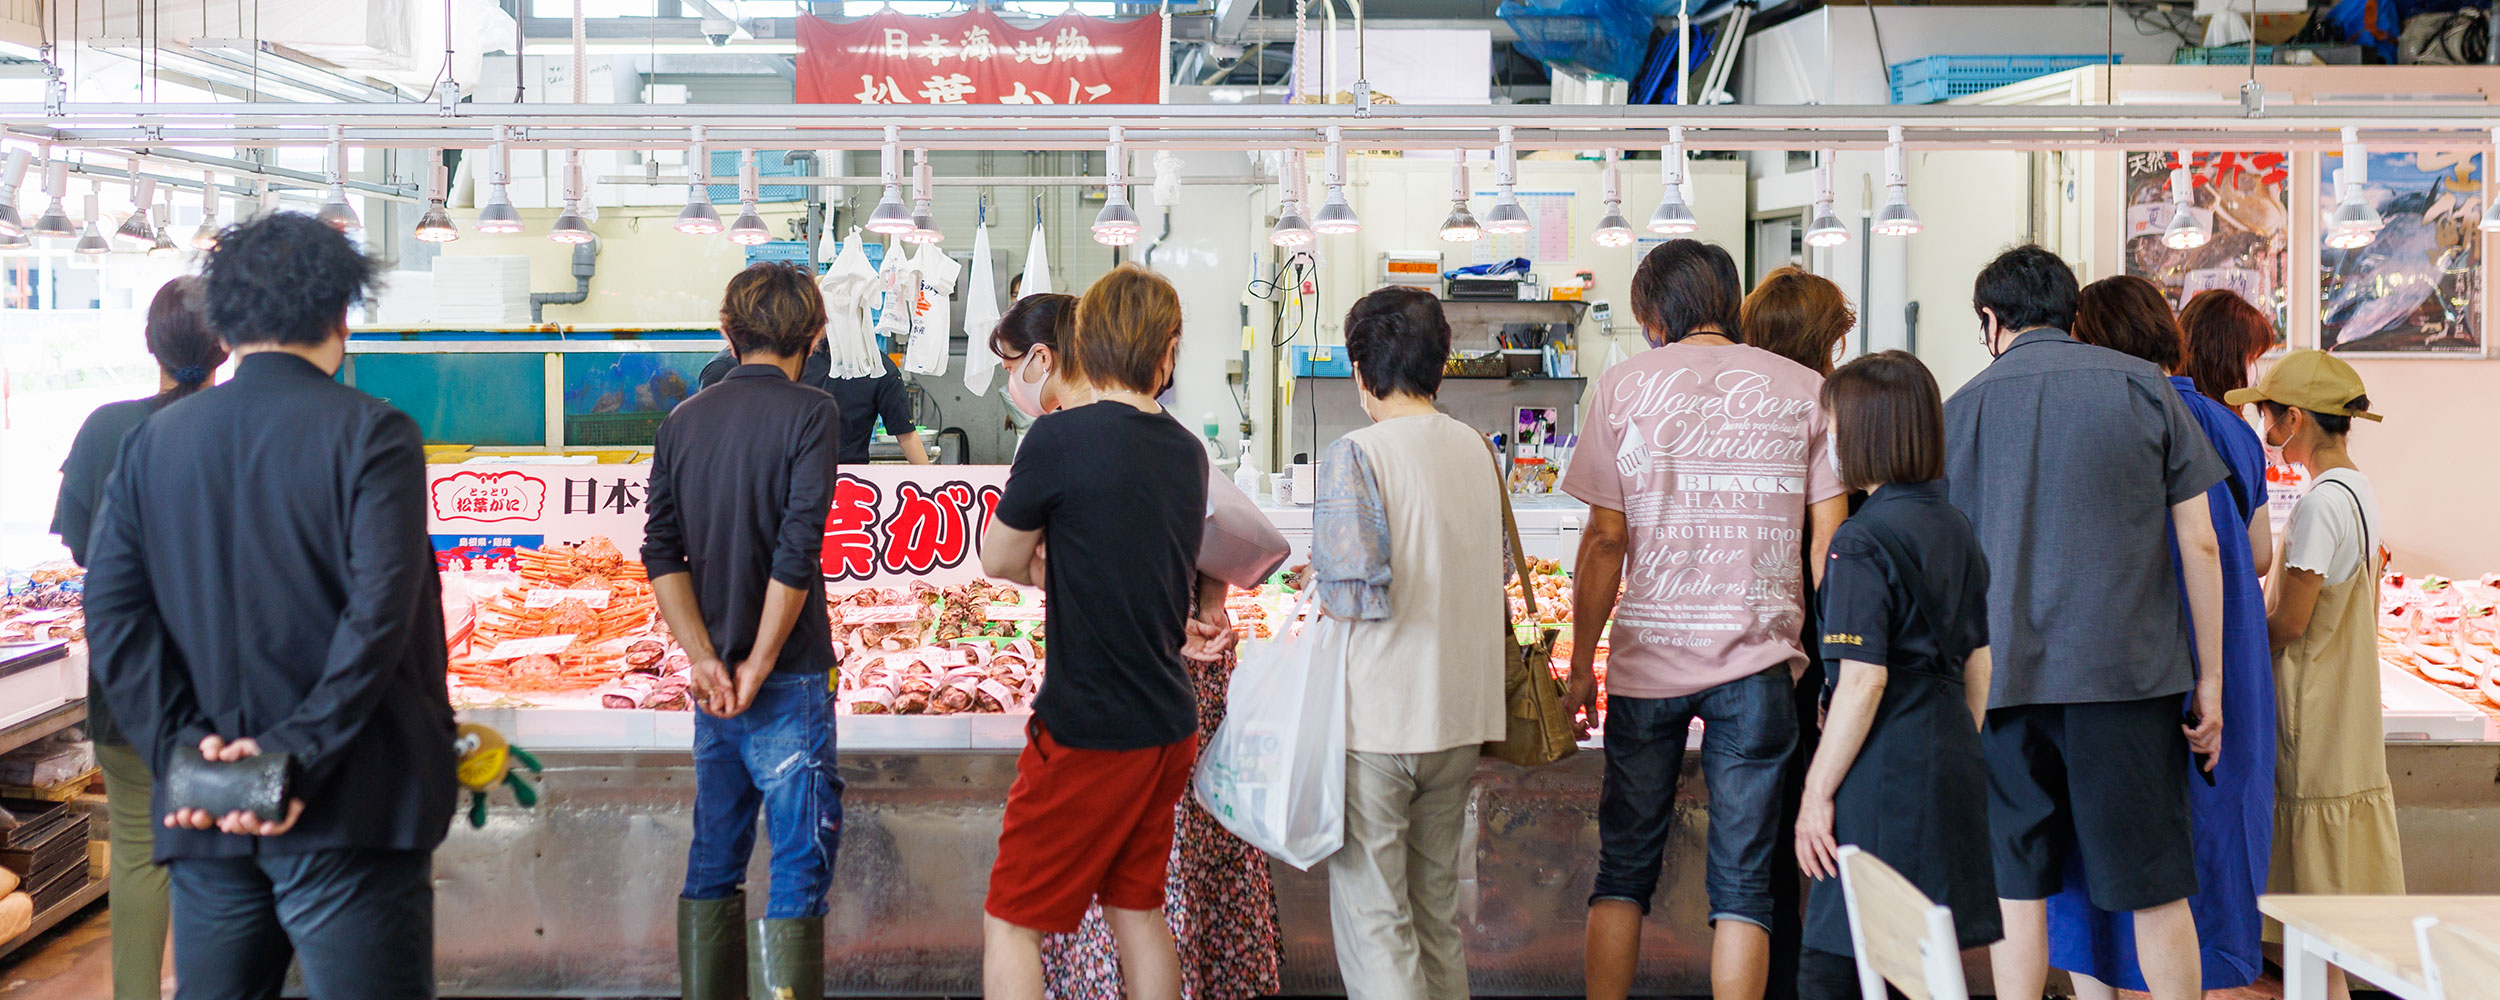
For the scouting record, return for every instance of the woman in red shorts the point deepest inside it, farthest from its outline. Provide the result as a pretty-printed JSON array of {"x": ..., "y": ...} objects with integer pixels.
[{"x": 1112, "y": 496}]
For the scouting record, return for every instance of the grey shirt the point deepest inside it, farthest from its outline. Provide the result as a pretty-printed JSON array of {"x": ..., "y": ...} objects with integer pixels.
[{"x": 2067, "y": 458}]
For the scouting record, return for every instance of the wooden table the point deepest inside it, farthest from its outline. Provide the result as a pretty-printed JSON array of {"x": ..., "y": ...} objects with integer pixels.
[{"x": 2370, "y": 937}]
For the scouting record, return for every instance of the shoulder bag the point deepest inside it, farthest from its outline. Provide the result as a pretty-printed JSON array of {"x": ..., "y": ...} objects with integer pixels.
[{"x": 1540, "y": 729}]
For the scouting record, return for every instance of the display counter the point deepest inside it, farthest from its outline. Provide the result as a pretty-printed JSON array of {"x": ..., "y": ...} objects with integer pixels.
[{"x": 575, "y": 896}]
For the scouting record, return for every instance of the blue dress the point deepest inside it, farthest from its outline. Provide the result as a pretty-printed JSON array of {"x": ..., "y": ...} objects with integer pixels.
[{"x": 2234, "y": 818}]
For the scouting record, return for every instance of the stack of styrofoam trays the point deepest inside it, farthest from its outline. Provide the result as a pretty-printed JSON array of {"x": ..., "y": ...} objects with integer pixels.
[{"x": 481, "y": 290}]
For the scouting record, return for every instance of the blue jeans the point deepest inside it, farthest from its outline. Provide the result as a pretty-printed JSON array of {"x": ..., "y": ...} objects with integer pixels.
[
  {"x": 777, "y": 755},
  {"x": 1749, "y": 729}
]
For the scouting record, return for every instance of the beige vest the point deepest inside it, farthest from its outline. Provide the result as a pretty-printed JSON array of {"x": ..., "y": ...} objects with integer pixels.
[{"x": 1430, "y": 677}]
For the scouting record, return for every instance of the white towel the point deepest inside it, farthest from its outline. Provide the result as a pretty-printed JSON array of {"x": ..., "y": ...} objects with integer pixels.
[
  {"x": 1036, "y": 266},
  {"x": 980, "y": 317}
]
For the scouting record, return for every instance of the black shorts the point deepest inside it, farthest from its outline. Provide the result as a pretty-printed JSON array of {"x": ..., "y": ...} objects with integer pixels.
[{"x": 2105, "y": 780}]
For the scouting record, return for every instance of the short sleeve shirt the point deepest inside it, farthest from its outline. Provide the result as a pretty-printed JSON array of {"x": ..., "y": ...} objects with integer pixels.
[
  {"x": 1120, "y": 497},
  {"x": 2067, "y": 459},
  {"x": 2334, "y": 524},
  {"x": 1905, "y": 586},
  {"x": 1712, "y": 453}
]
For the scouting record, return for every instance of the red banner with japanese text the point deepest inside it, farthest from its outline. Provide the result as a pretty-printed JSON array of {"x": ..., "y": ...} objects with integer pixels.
[{"x": 979, "y": 57}]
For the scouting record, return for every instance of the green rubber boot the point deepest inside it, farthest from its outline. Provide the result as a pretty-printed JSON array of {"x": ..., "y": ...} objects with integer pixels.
[
  {"x": 711, "y": 937},
  {"x": 786, "y": 959}
]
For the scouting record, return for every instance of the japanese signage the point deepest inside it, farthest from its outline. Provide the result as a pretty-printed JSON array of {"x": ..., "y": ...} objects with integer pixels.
[
  {"x": 887, "y": 525},
  {"x": 979, "y": 58}
]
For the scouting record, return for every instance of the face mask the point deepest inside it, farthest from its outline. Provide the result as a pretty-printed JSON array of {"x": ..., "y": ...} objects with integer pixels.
[
  {"x": 1988, "y": 335},
  {"x": 1027, "y": 396}
]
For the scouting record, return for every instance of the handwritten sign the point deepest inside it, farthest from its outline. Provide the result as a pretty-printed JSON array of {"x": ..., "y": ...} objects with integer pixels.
[
  {"x": 548, "y": 597},
  {"x": 545, "y": 645}
]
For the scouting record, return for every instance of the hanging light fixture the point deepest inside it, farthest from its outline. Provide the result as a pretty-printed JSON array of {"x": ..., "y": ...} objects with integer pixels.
[
  {"x": 1461, "y": 226},
  {"x": 1674, "y": 216},
  {"x": 1290, "y": 229},
  {"x": 267, "y": 199},
  {"x": 205, "y": 237},
  {"x": 497, "y": 216},
  {"x": 1116, "y": 225},
  {"x": 1613, "y": 230},
  {"x": 11, "y": 177},
  {"x": 435, "y": 226},
  {"x": 1335, "y": 216},
  {"x": 1824, "y": 228},
  {"x": 163, "y": 246},
  {"x": 2354, "y": 223},
  {"x": 570, "y": 228},
  {"x": 334, "y": 207},
  {"x": 2186, "y": 231},
  {"x": 698, "y": 218},
  {"x": 91, "y": 240},
  {"x": 54, "y": 223},
  {"x": 2491, "y": 204},
  {"x": 889, "y": 218},
  {"x": 135, "y": 233},
  {"x": 749, "y": 229},
  {"x": 1506, "y": 218},
  {"x": 924, "y": 227},
  {"x": 1895, "y": 217}
]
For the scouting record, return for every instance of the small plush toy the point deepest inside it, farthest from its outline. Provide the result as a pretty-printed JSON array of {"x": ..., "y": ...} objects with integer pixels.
[{"x": 486, "y": 761}]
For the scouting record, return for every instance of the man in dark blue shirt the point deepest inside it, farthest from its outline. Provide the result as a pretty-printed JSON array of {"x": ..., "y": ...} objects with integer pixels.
[
  {"x": 741, "y": 476},
  {"x": 862, "y": 402},
  {"x": 2074, "y": 463},
  {"x": 259, "y": 581}
]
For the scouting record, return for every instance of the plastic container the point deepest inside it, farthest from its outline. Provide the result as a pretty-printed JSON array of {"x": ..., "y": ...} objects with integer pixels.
[
  {"x": 1940, "y": 78},
  {"x": 1319, "y": 361}
]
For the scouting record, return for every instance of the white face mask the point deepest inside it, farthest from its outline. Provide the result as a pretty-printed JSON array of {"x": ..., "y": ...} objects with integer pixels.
[{"x": 1026, "y": 396}]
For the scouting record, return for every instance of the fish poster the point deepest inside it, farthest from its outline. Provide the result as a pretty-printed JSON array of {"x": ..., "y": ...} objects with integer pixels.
[
  {"x": 2415, "y": 289},
  {"x": 2244, "y": 200}
]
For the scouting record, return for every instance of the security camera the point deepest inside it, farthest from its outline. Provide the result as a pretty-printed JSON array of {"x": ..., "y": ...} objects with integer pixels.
[{"x": 718, "y": 30}]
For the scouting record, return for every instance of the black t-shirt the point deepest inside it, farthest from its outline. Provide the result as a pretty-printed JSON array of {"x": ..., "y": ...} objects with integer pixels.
[
  {"x": 92, "y": 455},
  {"x": 1120, "y": 497},
  {"x": 861, "y": 400}
]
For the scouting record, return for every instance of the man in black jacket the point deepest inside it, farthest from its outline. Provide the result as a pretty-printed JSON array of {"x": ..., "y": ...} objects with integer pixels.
[{"x": 260, "y": 583}]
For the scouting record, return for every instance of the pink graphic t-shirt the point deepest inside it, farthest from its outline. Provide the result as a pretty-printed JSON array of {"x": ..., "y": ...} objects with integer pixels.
[{"x": 1712, "y": 453}]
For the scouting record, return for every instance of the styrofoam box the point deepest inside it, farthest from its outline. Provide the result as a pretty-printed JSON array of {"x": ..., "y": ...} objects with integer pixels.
[
  {"x": 34, "y": 690},
  {"x": 645, "y": 729},
  {"x": 2416, "y": 709}
]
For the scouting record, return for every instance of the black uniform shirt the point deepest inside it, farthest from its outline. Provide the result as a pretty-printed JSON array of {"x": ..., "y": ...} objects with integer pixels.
[
  {"x": 91, "y": 457},
  {"x": 260, "y": 568},
  {"x": 860, "y": 400},
  {"x": 741, "y": 477}
]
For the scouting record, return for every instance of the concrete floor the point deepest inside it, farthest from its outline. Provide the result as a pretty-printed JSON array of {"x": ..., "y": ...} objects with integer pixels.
[{"x": 71, "y": 963}]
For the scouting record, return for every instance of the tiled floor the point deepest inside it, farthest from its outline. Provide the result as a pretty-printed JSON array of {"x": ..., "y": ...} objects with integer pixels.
[{"x": 71, "y": 963}]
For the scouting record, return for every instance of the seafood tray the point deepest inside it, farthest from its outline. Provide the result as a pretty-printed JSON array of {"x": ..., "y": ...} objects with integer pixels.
[
  {"x": 928, "y": 650},
  {"x": 2446, "y": 633},
  {"x": 574, "y": 624},
  {"x": 47, "y": 603}
]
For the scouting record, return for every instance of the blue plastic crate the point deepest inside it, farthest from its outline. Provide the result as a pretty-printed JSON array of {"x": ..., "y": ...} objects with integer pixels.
[
  {"x": 1322, "y": 361},
  {"x": 1939, "y": 78}
]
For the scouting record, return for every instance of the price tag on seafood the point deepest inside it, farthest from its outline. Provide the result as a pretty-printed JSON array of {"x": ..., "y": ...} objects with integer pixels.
[
  {"x": 544, "y": 645},
  {"x": 548, "y": 597},
  {"x": 887, "y": 614},
  {"x": 945, "y": 659},
  {"x": 1015, "y": 612}
]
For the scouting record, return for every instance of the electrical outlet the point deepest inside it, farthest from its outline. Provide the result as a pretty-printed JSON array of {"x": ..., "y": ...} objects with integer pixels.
[{"x": 1235, "y": 369}]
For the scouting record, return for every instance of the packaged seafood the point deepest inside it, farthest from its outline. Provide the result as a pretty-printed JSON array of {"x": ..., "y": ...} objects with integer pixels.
[{"x": 927, "y": 650}]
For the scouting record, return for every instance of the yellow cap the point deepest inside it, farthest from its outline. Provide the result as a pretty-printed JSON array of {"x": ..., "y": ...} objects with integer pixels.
[{"x": 2307, "y": 380}]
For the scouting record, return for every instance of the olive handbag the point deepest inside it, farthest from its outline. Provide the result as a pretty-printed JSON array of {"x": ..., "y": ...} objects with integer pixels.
[{"x": 1540, "y": 724}]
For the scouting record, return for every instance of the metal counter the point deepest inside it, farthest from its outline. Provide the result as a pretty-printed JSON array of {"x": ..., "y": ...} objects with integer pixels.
[{"x": 576, "y": 898}]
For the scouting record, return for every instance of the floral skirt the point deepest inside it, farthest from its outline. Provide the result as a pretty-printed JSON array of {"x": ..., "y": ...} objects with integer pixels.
[{"x": 1221, "y": 904}]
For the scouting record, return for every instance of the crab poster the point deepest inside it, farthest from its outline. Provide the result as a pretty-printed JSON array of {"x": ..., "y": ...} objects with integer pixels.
[
  {"x": 2244, "y": 201},
  {"x": 546, "y": 602},
  {"x": 2415, "y": 289}
]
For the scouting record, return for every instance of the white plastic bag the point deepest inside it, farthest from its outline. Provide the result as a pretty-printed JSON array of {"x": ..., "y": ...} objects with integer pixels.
[{"x": 1274, "y": 772}]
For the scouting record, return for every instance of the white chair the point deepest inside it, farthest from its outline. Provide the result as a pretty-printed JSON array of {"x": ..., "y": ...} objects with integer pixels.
[
  {"x": 2457, "y": 964},
  {"x": 1900, "y": 935}
]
